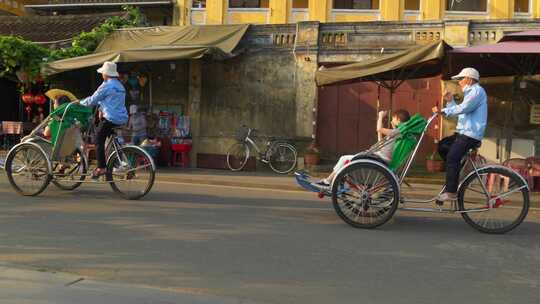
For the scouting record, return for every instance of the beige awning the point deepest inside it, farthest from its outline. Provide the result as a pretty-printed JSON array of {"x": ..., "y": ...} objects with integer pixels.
[
  {"x": 156, "y": 44},
  {"x": 416, "y": 62}
]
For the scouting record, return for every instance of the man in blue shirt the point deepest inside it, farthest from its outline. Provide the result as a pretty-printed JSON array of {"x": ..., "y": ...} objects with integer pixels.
[
  {"x": 472, "y": 121},
  {"x": 110, "y": 97}
]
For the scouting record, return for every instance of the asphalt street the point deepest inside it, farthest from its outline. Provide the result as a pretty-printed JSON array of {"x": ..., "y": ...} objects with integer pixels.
[{"x": 239, "y": 245}]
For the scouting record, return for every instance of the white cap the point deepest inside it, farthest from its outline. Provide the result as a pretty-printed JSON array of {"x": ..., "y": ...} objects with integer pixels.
[
  {"x": 132, "y": 109},
  {"x": 468, "y": 72},
  {"x": 109, "y": 69}
]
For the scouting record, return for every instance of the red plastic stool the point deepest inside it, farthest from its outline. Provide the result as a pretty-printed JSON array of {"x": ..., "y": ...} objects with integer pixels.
[{"x": 180, "y": 155}]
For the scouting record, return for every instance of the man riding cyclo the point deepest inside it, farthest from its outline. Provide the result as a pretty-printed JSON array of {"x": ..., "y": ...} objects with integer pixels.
[
  {"x": 471, "y": 125},
  {"x": 110, "y": 96}
]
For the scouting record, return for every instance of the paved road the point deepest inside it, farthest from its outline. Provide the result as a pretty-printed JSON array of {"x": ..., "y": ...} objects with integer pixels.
[{"x": 264, "y": 246}]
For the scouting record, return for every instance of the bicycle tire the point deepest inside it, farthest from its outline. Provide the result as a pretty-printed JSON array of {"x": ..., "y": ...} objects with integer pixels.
[
  {"x": 272, "y": 162},
  {"x": 232, "y": 162},
  {"x": 513, "y": 179},
  {"x": 43, "y": 159},
  {"x": 113, "y": 163}
]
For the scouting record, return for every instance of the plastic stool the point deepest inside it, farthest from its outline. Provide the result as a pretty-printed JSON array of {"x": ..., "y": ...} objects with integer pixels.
[{"x": 180, "y": 155}]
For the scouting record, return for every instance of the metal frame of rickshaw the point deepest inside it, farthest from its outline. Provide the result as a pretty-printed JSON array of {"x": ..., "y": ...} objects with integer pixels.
[
  {"x": 400, "y": 178},
  {"x": 30, "y": 139}
]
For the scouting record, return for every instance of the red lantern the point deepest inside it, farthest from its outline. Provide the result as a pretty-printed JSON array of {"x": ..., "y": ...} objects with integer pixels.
[
  {"x": 27, "y": 98},
  {"x": 40, "y": 99}
]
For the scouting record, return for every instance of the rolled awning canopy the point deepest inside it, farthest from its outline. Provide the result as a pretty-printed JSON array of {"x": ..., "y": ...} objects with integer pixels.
[
  {"x": 157, "y": 44},
  {"x": 416, "y": 62}
]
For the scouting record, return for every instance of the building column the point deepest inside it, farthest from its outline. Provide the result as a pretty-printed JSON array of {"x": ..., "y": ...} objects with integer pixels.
[
  {"x": 501, "y": 9},
  {"x": 279, "y": 11},
  {"x": 432, "y": 9},
  {"x": 535, "y": 9},
  {"x": 181, "y": 12},
  {"x": 319, "y": 10},
  {"x": 194, "y": 107},
  {"x": 392, "y": 10},
  {"x": 215, "y": 11},
  {"x": 306, "y": 88}
]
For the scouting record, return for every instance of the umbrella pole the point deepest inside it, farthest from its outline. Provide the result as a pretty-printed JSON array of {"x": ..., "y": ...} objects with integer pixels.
[{"x": 510, "y": 120}]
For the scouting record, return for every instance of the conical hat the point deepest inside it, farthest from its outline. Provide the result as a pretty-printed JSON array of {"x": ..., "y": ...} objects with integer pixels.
[{"x": 55, "y": 93}]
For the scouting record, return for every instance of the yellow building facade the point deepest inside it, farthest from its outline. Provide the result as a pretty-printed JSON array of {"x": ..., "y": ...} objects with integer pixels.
[
  {"x": 12, "y": 7},
  {"x": 292, "y": 11}
]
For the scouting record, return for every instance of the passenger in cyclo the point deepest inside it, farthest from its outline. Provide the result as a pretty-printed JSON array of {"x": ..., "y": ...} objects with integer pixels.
[
  {"x": 57, "y": 102},
  {"x": 386, "y": 151},
  {"x": 471, "y": 125},
  {"x": 110, "y": 97}
]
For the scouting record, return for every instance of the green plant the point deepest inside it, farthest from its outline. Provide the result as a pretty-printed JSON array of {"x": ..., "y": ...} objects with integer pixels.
[
  {"x": 17, "y": 54},
  {"x": 86, "y": 42}
]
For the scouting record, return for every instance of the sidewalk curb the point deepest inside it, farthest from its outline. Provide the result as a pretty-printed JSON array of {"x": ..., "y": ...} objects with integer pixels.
[{"x": 197, "y": 181}]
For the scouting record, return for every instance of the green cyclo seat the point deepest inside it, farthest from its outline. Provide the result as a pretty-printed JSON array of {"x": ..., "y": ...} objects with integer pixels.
[
  {"x": 75, "y": 113},
  {"x": 406, "y": 142}
]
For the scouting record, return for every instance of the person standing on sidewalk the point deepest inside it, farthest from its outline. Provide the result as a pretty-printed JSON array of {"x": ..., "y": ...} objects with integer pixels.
[
  {"x": 472, "y": 121},
  {"x": 111, "y": 98}
]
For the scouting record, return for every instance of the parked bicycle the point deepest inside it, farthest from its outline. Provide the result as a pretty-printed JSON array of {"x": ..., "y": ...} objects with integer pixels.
[{"x": 279, "y": 155}]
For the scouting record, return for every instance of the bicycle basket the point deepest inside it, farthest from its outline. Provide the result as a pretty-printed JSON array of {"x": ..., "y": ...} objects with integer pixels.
[{"x": 242, "y": 133}]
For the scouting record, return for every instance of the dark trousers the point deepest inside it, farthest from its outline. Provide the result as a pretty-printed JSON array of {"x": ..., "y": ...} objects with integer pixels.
[
  {"x": 452, "y": 149},
  {"x": 103, "y": 130}
]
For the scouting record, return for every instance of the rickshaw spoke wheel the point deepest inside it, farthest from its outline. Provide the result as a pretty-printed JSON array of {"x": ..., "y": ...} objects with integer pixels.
[
  {"x": 131, "y": 172},
  {"x": 365, "y": 195},
  {"x": 73, "y": 174},
  {"x": 27, "y": 169},
  {"x": 502, "y": 208}
]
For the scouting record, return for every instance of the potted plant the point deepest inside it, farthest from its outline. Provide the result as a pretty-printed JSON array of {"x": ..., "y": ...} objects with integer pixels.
[
  {"x": 312, "y": 155},
  {"x": 434, "y": 162}
]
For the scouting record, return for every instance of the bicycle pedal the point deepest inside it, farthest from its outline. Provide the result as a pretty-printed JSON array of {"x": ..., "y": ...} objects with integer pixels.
[
  {"x": 264, "y": 161},
  {"x": 439, "y": 203}
]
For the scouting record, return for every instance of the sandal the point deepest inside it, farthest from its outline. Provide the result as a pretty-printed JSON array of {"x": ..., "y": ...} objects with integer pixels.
[{"x": 98, "y": 172}]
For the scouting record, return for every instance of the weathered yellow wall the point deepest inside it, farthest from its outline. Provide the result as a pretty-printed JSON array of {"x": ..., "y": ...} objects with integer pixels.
[
  {"x": 280, "y": 11},
  {"x": 501, "y": 9},
  {"x": 198, "y": 17},
  {"x": 432, "y": 9},
  {"x": 392, "y": 10},
  {"x": 457, "y": 33},
  {"x": 339, "y": 17},
  {"x": 180, "y": 12},
  {"x": 247, "y": 17},
  {"x": 215, "y": 11},
  {"x": 19, "y": 10},
  {"x": 319, "y": 10},
  {"x": 535, "y": 8}
]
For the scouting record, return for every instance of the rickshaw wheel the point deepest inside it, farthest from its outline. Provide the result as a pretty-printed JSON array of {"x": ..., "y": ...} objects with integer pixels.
[
  {"x": 79, "y": 166},
  {"x": 365, "y": 194},
  {"x": 27, "y": 168},
  {"x": 509, "y": 193},
  {"x": 132, "y": 174}
]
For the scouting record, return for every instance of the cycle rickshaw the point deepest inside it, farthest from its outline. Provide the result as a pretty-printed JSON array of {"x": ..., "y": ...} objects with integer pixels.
[
  {"x": 366, "y": 193},
  {"x": 35, "y": 162}
]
